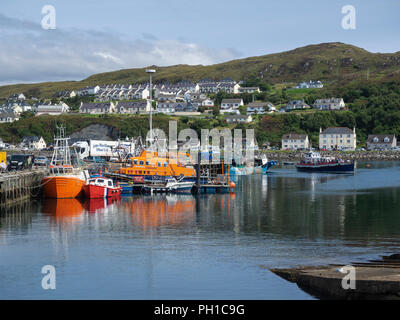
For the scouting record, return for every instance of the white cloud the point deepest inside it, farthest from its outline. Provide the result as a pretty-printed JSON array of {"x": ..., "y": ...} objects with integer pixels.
[{"x": 28, "y": 53}]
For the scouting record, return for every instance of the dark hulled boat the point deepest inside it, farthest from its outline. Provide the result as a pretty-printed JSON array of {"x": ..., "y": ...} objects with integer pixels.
[{"x": 313, "y": 162}]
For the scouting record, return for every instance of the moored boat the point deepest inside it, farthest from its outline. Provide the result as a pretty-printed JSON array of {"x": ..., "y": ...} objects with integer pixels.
[
  {"x": 314, "y": 162},
  {"x": 64, "y": 180},
  {"x": 151, "y": 165},
  {"x": 169, "y": 185},
  {"x": 101, "y": 187}
]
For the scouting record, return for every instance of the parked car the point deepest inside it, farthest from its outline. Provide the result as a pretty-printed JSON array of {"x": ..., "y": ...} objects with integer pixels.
[
  {"x": 41, "y": 161},
  {"x": 20, "y": 162}
]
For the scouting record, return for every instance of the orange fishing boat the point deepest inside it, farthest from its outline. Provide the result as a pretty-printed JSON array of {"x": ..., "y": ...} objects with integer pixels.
[{"x": 64, "y": 180}]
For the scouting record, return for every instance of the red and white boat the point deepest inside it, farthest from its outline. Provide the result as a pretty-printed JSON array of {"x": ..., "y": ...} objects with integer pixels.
[{"x": 101, "y": 187}]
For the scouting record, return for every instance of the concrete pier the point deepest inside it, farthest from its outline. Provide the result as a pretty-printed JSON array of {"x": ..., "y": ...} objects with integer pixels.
[
  {"x": 19, "y": 185},
  {"x": 378, "y": 279}
]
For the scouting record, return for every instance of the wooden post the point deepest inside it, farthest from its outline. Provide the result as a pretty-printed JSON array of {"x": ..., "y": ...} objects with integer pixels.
[{"x": 198, "y": 172}]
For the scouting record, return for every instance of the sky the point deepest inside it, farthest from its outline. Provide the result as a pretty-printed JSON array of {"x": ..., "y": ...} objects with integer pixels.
[{"x": 98, "y": 36}]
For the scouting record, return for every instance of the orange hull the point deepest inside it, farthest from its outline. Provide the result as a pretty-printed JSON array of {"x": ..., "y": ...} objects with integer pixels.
[{"x": 63, "y": 187}]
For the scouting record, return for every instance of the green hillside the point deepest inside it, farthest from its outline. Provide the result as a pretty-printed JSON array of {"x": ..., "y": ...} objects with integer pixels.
[{"x": 329, "y": 62}]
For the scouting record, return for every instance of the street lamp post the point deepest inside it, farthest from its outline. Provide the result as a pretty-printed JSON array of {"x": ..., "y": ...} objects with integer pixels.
[{"x": 150, "y": 72}]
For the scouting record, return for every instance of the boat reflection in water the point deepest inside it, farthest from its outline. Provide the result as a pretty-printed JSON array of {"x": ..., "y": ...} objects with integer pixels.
[
  {"x": 71, "y": 210},
  {"x": 63, "y": 210},
  {"x": 100, "y": 205},
  {"x": 161, "y": 210}
]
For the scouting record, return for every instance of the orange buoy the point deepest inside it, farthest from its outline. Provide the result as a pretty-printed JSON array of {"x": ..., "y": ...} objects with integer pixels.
[{"x": 232, "y": 185}]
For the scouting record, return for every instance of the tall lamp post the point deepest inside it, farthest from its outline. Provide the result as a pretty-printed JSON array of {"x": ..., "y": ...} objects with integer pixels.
[{"x": 150, "y": 72}]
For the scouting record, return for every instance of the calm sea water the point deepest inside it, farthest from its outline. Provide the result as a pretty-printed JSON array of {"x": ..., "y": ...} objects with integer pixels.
[{"x": 211, "y": 247}]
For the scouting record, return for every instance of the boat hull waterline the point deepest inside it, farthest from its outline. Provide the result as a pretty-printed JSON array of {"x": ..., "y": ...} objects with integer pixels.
[
  {"x": 63, "y": 187},
  {"x": 94, "y": 192},
  {"x": 337, "y": 167}
]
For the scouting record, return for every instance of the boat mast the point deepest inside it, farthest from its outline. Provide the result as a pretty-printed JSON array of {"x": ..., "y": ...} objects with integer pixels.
[{"x": 61, "y": 154}]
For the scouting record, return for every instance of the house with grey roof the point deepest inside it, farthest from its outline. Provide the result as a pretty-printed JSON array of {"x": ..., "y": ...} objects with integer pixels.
[
  {"x": 52, "y": 109},
  {"x": 238, "y": 118},
  {"x": 381, "y": 141},
  {"x": 260, "y": 108},
  {"x": 295, "y": 141},
  {"x": 132, "y": 107},
  {"x": 228, "y": 87},
  {"x": 97, "y": 107},
  {"x": 8, "y": 117},
  {"x": 337, "y": 138},
  {"x": 329, "y": 104},
  {"x": 296, "y": 105},
  {"x": 208, "y": 87},
  {"x": 169, "y": 107},
  {"x": 33, "y": 142}
]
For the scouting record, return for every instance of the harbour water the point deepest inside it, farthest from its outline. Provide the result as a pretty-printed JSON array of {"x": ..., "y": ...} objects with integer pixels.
[{"x": 216, "y": 246}]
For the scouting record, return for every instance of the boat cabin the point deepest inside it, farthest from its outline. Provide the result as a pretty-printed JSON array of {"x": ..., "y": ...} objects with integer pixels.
[
  {"x": 312, "y": 157},
  {"x": 102, "y": 182}
]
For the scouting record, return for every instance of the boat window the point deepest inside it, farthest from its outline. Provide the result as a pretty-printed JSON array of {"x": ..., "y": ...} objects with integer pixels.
[
  {"x": 135, "y": 162},
  {"x": 110, "y": 183},
  {"x": 100, "y": 181},
  {"x": 159, "y": 164},
  {"x": 165, "y": 164},
  {"x": 147, "y": 163},
  {"x": 141, "y": 162}
]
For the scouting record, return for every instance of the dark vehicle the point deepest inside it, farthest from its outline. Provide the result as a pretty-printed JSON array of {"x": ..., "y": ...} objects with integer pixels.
[{"x": 20, "y": 162}]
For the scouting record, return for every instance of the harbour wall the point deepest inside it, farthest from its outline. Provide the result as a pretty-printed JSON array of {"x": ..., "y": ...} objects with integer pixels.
[{"x": 20, "y": 185}]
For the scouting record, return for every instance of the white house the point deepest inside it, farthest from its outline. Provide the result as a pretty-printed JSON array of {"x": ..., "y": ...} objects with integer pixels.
[
  {"x": 310, "y": 84},
  {"x": 53, "y": 110},
  {"x": 381, "y": 141},
  {"x": 295, "y": 141},
  {"x": 260, "y": 108},
  {"x": 207, "y": 103},
  {"x": 88, "y": 90},
  {"x": 142, "y": 93},
  {"x": 238, "y": 118},
  {"x": 249, "y": 89},
  {"x": 329, "y": 104},
  {"x": 231, "y": 103},
  {"x": 228, "y": 87},
  {"x": 337, "y": 138},
  {"x": 296, "y": 105},
  {"x": 33, "y": 142}
]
